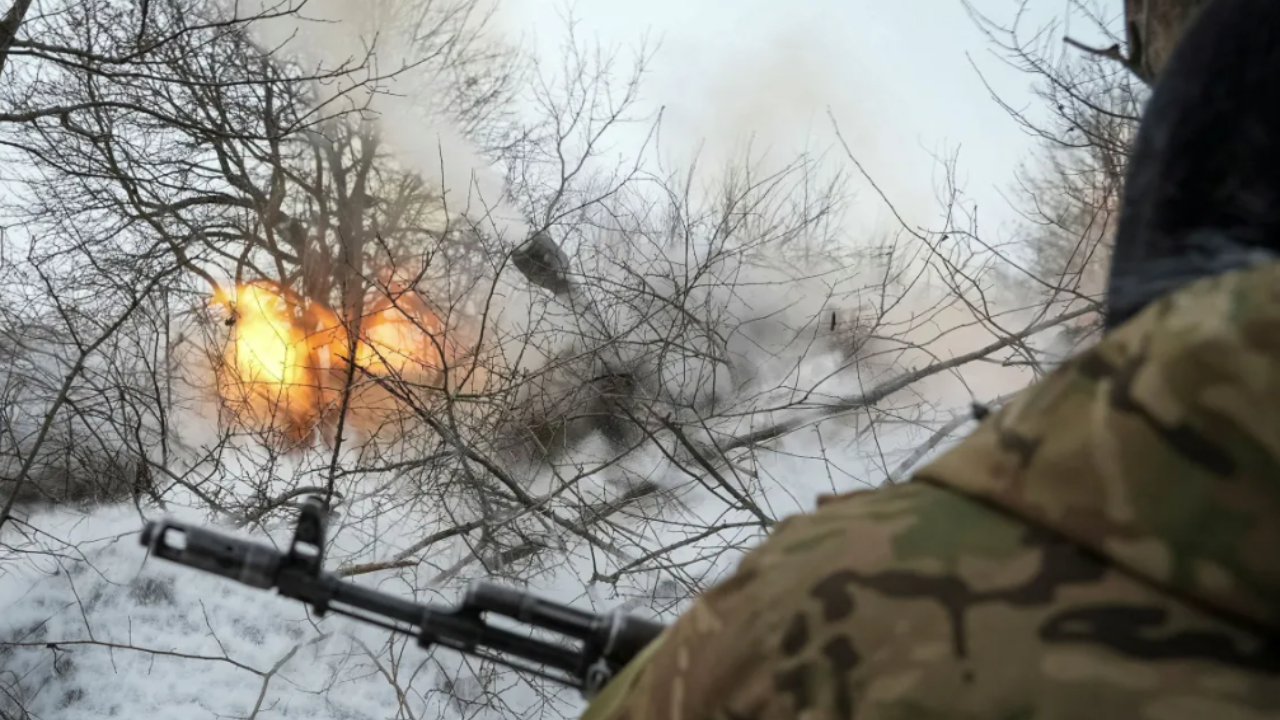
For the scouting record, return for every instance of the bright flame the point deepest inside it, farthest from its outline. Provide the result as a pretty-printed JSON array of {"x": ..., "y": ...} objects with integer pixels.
[
  {"x": 285, "y": 358},
  {"x": 399, "y": 338},
  {"x": 269, "y": 347},
  {"x": 271, "y": 378}
]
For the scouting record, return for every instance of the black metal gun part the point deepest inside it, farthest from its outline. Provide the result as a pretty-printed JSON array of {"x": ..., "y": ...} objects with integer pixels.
[{"x": 605, "y": 642}]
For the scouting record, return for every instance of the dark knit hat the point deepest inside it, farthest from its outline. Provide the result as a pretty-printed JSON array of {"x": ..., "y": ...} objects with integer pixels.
[{"x": 1202, "y": 190}]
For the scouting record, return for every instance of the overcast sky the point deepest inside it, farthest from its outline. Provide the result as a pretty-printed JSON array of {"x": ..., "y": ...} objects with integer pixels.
[{"x": 899, "y": 77}]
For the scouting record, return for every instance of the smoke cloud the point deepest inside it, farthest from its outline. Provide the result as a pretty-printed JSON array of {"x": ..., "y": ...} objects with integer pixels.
[{"x": 385, "y": 78}]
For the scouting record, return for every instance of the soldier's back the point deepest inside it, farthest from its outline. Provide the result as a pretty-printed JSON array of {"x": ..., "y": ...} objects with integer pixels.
[{"x": 916, "y": 603}]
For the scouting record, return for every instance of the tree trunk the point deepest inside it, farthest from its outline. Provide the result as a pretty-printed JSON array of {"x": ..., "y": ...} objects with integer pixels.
[
  {"x": 1153, "y": 28},
  {"x": 9, "y": 28}
]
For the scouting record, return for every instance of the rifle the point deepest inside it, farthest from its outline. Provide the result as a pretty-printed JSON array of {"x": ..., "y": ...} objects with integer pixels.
[{"x": 605, "y": 643}]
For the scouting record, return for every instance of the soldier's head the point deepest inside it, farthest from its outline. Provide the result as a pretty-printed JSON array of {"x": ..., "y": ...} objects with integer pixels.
[{"x": 1202, "y": 190}]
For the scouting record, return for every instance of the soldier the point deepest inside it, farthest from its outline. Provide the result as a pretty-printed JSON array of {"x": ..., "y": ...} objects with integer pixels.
[{"x": 1108, "y": 544}]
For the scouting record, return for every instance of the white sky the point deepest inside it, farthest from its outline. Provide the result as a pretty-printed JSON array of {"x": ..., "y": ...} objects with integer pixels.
[{"x": 897, "y": 76}]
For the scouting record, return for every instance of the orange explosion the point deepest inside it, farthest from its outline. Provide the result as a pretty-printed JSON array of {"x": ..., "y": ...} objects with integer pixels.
[
  {"x": 400, "y": 336},
  {"x": 285, "y": 362}
]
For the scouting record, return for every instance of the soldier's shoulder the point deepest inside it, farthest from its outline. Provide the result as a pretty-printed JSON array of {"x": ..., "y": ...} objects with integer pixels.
[{"x": 1158, "y": 448}]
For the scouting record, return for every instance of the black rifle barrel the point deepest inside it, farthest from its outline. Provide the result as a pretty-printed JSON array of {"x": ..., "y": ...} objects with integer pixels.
[{"x": 607, "y": 642}]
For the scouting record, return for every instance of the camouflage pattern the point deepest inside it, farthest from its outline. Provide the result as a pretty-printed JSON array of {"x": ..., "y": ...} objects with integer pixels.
[{"x": 1106, "y": 546}]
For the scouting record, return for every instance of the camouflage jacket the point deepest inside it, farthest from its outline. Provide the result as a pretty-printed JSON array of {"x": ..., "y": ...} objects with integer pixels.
[{"x": 1106, "y": 546}]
